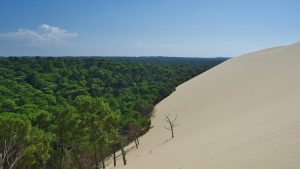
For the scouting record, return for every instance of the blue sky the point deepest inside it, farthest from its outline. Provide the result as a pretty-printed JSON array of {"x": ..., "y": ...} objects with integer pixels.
[{"x": 193, "y": 28}]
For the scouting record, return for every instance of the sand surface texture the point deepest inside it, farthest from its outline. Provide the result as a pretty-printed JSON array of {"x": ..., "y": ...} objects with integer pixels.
[{"x": 242, "y": 114}]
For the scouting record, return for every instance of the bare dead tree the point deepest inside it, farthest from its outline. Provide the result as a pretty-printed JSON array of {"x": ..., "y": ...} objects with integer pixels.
[
  {"x": 171, "y": 123},
  {"x": 11, "y": 153}
]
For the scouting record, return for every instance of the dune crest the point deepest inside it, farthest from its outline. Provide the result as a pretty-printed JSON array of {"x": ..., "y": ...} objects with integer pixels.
[{"x": 242, "y": 114}]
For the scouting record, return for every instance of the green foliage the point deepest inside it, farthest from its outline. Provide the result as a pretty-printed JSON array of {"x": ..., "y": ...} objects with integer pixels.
[
  {"x": 21, "y": 142},
  {"x": 72, "y": 112}
]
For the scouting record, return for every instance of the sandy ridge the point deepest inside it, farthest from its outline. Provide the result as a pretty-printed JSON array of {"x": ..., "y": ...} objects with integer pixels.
[{"x": 242, "y": 114}]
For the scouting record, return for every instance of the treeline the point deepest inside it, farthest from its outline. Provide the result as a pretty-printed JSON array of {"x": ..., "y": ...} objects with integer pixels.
[{"x": 74, "y": 112}]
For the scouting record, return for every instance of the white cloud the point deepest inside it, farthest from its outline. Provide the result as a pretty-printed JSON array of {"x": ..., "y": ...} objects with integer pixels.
[{"x": 43, "y": 34}]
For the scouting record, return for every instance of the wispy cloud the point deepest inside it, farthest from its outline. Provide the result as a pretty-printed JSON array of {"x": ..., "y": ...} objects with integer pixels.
[{"x": 43, "y": 34}]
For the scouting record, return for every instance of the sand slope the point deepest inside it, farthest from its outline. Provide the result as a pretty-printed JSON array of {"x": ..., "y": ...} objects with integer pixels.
[{"x": 242, "y": 114}]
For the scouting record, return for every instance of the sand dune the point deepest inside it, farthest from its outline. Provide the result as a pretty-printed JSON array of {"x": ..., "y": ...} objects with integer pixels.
[{"x": 242, "y": 114}]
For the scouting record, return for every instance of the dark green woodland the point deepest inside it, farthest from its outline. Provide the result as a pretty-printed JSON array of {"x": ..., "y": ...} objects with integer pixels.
[{"x": 76, "y": 112}]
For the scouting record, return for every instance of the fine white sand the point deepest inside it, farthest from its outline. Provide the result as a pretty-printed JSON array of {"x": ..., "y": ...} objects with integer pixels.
[{"x": 242, "y": 114}]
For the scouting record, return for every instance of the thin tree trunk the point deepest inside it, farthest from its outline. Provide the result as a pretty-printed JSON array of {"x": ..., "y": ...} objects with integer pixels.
[
  {"x": 102, "y": 157},
  {"x": 96, "y": 156},
  {"x": 114, "y": 154},
  {"x": 123, "y": 155},
  {"x": 62, "y": 151},
  {"x": 136, "y": 144},
  {"x": 1, "y": 161},
  {"x": 42, "y": 163},
  {"x": 172, "y": 131}
]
